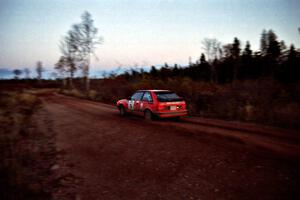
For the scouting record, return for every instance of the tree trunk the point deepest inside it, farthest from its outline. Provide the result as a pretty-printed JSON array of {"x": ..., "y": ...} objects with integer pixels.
[
  {"x": 64, "y": 82},
  {"x": 71, "y": 79},
  {"x": 87, "y": 80},
  {"x": 87, "y": 86},
  {"x": 235, "y": 72},
  {"x": 213, "y": 74}
]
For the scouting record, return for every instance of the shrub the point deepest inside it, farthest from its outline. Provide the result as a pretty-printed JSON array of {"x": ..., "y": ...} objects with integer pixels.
[
  {"x": 287, "y": 115},
  {"x": 262, "y": 101},
  {"x": 76, "y": 93},
  {"x": 92, "y": 94},
  {"x": 28, "y": 99}
]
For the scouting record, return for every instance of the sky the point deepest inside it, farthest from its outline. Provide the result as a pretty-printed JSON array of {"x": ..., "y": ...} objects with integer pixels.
[{"x": 139, "y": 32}]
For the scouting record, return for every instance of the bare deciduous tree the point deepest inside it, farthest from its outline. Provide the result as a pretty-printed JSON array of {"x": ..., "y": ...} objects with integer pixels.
[
  {"x": 39, "y": 70},
  {"x": 87, "y": 40},
  {"x": 213, "y": 51},
  {"x": 227, "y": 50},
  {"x": 27, "y": 73},
  {"x": 60, "y": 67},
  {"x": 264, "y": 43},
  {"x": 77, "y": 48},
  {"x": 69, "y": 47},
  {"x": 212, "y": 48}
]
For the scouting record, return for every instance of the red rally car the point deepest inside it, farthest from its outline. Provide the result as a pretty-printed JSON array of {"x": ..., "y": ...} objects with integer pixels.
[{"x": 150, "y": 103}]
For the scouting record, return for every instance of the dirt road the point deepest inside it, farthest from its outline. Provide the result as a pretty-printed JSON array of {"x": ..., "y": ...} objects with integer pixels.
[{"x": 101, "y": 155}]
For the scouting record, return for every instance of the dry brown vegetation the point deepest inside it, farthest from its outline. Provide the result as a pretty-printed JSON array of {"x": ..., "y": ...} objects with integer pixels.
[
  {"x": 21, "y": 150},
  {"x": 264, "y": 101}
]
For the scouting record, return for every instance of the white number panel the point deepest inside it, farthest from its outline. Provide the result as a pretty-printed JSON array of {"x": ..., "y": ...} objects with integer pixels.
[{"x": 131, "y": 105}]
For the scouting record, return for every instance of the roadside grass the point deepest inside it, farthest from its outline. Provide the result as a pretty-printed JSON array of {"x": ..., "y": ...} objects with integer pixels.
[
  {"x": 41, "y": 91},
  {"x": 16, "y": 109},
  {"x": 73, "y": 92}
]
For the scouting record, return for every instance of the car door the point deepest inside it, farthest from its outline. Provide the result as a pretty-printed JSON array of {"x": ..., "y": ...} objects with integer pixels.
[
  {"x": 147, "y": 101},
  {"x": 134, "y": 102}
]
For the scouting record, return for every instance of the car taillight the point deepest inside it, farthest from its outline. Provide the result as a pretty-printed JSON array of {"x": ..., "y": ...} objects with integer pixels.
[
  {"x": 162, "y": 107},
  {"x": 184, "y": 105}
]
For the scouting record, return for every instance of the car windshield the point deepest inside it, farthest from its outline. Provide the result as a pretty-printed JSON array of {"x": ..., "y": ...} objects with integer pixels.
[{"x": 165, "y": 96}]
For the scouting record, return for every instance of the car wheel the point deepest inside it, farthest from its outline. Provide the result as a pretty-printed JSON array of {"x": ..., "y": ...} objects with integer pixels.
[
  {"x": 122, "y": 111},
  {"x": 148, "y": 115},
  {"x": 177, "y": 119}
]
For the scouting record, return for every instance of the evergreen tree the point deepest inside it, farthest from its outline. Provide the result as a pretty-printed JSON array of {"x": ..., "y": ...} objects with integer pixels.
[
  {"x": 292, "y": 53},
  {"x": 203, "y": 70},
  {"x": 273, "y": 49},
  {"x": 175, "y": 70},
  {"x": 282, "y": 46},
  {"x": 154, "y": 72},
  {"x": 202, "y": 58},
  {"x": 248, "y": 70},
  {"x": 273, "y": 53},
  {"x": 264, "y": 43},
  {"x": 235, "y": 52},
  {"x": 247, "y": 51},
  {"x": 165, "y": 71},
  {"x": 291, "y": 69}
]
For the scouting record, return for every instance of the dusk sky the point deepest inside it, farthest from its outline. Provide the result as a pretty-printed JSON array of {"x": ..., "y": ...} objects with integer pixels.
[{"x": 142, "y": 32}]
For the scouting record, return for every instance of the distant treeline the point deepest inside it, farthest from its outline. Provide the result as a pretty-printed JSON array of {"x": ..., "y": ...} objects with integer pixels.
[{"x": 227, "y": 63}]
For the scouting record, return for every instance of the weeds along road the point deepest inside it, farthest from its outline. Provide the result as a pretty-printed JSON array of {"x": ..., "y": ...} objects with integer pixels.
[{"x": 105, "y": 156}]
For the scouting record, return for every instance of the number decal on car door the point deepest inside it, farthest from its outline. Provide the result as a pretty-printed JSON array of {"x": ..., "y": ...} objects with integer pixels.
[{"x": 131, "y": 105}]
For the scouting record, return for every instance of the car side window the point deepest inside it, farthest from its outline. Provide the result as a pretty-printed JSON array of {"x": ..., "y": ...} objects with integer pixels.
[
  {"x": 147, "y": 97},
  {"x": 137, "y": 96}
]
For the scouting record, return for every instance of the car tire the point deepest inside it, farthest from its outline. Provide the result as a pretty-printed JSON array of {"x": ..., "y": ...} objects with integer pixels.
[
  {"x": 177, "y": 119},
  {"x": 148, "y": 115},
  {"x": 122, "y": 111}
]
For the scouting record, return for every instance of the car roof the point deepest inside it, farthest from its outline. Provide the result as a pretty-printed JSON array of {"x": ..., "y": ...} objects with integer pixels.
[{"x": 154, "y": 90}]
